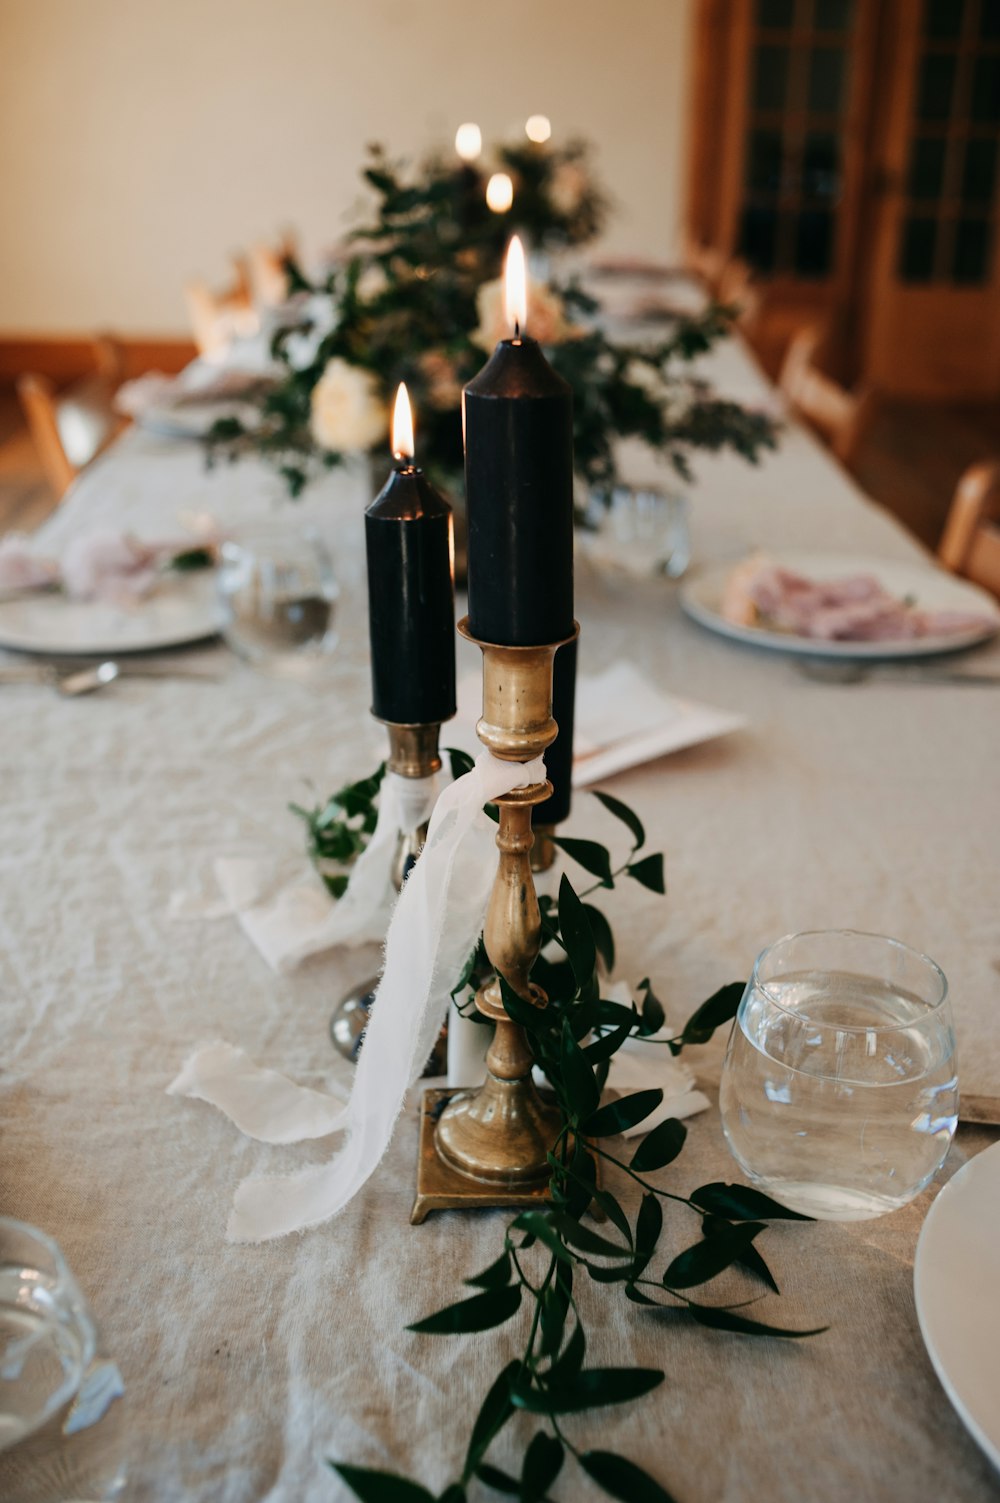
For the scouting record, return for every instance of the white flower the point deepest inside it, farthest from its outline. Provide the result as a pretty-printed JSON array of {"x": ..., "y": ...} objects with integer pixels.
[
  {"x": 346, "y": 411},
  {"x": 547, "y": 321},
  {"x": 371, "y": 284},
  {"x": 320, "y": 312},
  {"x": 569, "y": 185}
]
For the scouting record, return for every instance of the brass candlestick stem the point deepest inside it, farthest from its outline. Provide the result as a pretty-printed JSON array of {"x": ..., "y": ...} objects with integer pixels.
[
  {"x": 489, "y": 1146},
  {"x": 413, "y": 753}
]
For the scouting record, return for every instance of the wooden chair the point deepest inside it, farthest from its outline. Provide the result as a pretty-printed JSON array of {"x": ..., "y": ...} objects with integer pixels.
[
  {"x": 841, "y": 417},
  {"x": 970, "y": 543},
  {"x": 219, "y": 317},
  {"x": 738, "y": 288},
  {"x": 267, "y": 270},
  {"x": 706, "y": 263},
  {"x": 71, "y": 427}
]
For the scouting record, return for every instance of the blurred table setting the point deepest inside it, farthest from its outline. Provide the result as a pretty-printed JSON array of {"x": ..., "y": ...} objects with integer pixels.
[{"x": 782, "y": 803}]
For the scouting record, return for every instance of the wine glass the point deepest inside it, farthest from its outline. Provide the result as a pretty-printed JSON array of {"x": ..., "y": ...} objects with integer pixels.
[{"x": 839, "y": 1093}]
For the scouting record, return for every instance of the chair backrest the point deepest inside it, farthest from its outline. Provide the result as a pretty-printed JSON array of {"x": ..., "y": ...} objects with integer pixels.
[
  {"x": 738, "y": 288},
  {"x": 71, "y": 427},
  {"x": 970, "y": 543},
  {"x": 38, "y": 401},
  {"x": 840, "y": 416},
  {"x": 267, "y": 270},
  {"x": 219, "y": 317},
  {"x": 707, "y": 263}
]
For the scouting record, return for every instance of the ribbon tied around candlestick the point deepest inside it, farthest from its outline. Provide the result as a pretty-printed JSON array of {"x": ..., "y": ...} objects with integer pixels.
[
  {"x": 301, "y": 919},
  {"x": 434, "y": 928}
]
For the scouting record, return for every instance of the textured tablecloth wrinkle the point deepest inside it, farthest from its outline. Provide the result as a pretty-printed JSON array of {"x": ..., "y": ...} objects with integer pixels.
[{"x": 873, "y": 806}]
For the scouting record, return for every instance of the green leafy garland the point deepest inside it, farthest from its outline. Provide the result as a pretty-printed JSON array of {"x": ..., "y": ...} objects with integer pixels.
[
  {"x": 404, "y": 308},
  {"x": 536, "y": 1276},
  {"x": 339, "y": 829}
]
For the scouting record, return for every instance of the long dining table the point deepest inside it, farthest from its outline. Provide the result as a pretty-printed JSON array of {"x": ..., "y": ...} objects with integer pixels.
[{"x": 247, "y": 1367}]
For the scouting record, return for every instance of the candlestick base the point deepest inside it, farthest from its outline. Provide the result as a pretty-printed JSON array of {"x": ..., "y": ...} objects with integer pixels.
[{"x": 442, "y": 1187}]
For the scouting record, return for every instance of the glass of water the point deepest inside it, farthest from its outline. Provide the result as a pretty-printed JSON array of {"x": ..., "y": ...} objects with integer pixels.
[
  {"x": 55, "y": 1385},
  {"x": 278, "y": 594},
  {"x": 839, "y": 1093},
  {"x": 638, "y": 531}
]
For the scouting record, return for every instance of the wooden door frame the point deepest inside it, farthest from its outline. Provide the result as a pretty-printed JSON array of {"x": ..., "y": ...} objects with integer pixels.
[{"x": 886, "y": 309}]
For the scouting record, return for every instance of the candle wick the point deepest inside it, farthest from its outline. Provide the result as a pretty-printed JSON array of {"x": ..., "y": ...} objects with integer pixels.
[{"x": 517, "y": 329}]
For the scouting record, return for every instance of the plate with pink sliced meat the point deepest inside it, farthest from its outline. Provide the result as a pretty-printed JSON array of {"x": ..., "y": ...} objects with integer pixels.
[{"x": 831, "y": 605}]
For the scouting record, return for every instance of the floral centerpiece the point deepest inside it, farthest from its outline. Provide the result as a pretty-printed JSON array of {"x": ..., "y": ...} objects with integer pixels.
[{"x": 416, "y": 297}]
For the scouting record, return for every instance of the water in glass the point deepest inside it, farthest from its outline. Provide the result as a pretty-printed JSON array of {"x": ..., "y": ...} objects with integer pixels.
[
  {"x": 839, "y": 1095},
  {"x": 278, "y": 593},
  {"x": 61, "y": 1431}
]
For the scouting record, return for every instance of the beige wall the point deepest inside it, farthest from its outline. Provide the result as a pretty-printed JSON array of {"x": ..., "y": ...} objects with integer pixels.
[{"x": 140, "y": 140}]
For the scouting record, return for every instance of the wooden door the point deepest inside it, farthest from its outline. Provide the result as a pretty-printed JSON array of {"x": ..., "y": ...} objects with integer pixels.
[
  {"x": 929, "y": 306},
  {"x": 782, "y": 104}
]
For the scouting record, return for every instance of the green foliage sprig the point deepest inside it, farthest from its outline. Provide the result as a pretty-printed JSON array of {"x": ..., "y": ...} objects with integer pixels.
[
  {"x": 339, "y": 829},
  {"x": 548, "y": 1256},
  {"x": 404, "y": 308}
]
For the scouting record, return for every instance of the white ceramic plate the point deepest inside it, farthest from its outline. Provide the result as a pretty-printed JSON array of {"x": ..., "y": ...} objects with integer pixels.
[
  {"x": 956, "y": 1281},
  {"x": 930, "y": 588},
  {"x": 182, "y": 608}
]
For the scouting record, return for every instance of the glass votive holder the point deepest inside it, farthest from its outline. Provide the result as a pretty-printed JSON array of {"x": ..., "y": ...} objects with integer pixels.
[
  {"x": 278, "y": 593},
  {"x": 638, "y": 531},
  {"x": 839, "y": 1094},
  {"x": 61, "y": 1431}
]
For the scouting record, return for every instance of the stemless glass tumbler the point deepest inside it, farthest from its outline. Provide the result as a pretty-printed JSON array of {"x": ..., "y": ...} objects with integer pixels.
[
  {"x": 278, "y": 592},
  {"x": 58, "y": 1440},
  {"x": 839, "y": 1093}
]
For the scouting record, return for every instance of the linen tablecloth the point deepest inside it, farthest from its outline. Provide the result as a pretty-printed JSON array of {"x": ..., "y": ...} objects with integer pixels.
[{"x": 873, "y": 806}]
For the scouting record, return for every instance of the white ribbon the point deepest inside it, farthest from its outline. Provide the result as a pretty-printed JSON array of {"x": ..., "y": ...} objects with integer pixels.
[
  {"x": 301, "y": 919},
  {"x": 435, "y": 924}
]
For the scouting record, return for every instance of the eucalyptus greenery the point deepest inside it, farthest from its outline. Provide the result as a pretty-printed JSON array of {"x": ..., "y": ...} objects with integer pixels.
[
  {"x": 549, "y": 1256},
  {"x": 405, "y": 307},
  {"x": 339, "y": 829}
]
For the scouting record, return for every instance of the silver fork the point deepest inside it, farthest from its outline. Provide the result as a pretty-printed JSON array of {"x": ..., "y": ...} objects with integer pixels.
[
  {"x": 73, "y": 681},
  {"x": 836, "y": 671}
]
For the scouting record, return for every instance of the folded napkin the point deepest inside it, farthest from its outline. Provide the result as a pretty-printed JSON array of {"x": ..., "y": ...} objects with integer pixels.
[
  {"x": 115, "y": 567},
  {"x": 134, "y": 398},
  {"x": 301, "y": 918},
  {"x": 622, "y": 720},
  {"x": 642, "y": 1065},
  {"x": 434, "y": 926}
]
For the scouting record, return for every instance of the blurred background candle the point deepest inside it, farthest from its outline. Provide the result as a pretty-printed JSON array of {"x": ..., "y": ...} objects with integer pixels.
[
  {"x": 468, "y": 141},
  {"x": 411, "y": 608},
  {"x": 538, "y": 128},
  {"x": 500, "y": 192},
  {"x": 519, "y": 486}
]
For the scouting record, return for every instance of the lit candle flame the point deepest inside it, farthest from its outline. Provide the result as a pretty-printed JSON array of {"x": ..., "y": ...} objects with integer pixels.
[
  {"x": 499, "y": 192},
  {"x": 538, "y": 128},
  {"x": 516, "y": 287},
  {"x": 468, "y": 141},
  {"x": 402, "y": 426}
]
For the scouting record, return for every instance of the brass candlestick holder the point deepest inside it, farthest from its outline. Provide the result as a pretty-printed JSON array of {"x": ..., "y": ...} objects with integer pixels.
[
  {"x": 413, "y": 753},
  {"x": 490, "y": 1146},
  {"x": 543, "y": 852}
]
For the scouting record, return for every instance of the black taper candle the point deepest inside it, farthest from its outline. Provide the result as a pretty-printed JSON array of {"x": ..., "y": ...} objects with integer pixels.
[
  {"x": 411, "y": 601},
  {"x": 559, "y": 756},
  {"x": 519, "y": 495}
]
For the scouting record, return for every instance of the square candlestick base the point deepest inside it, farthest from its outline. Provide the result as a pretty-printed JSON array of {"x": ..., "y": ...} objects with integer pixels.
[{"x": 442, "y": 1188}]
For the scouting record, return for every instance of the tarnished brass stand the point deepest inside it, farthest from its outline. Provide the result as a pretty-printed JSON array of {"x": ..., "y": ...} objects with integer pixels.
[
  {"x": 413, "y": 753},
  {"x": 488, "y": 1147}
]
